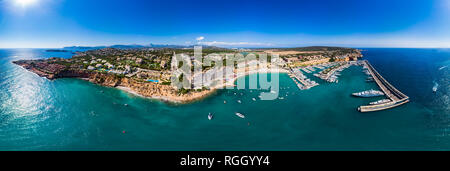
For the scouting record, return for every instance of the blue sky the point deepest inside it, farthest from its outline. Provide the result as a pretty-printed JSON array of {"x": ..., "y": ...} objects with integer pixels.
[{"x": 226, "y": 23}]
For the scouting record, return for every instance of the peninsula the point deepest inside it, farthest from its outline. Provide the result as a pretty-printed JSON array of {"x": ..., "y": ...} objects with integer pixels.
[{"x": 148, "y": 71}]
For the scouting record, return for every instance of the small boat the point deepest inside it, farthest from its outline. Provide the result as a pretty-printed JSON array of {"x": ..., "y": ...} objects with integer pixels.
[
  {"x": 281, "y": 98},
  {"x": 210, "y": 116},
  {"x": 239, "y": 101},
  {"x": 435, "y": 87},
  {"x": 125, "y": 104},
  {"x": 224, "y": 102},
  {"x": 253, "y": 99},
  {"x": 240, "y": 115}
]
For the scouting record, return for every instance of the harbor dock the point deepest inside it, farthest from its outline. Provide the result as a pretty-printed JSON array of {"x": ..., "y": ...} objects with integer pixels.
[
  {"x": 397, "y": 98},
  {"x": 331, "y": 73},
  {"x": 301, "y": 80}
]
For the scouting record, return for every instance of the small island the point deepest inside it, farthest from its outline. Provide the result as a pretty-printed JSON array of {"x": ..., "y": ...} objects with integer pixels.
[{"x": 147, "y": 71}]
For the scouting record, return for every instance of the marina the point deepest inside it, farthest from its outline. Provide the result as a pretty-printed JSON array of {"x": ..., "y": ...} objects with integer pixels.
[
  {"x": 311, "y": 68},
  {"x": 301, "y": 80},
  {"x": 370, "y": 79},
  {"x": 331, "y": 74},
  {"x": 306, "y": 70},
  {"x": 396, "y": 97}
]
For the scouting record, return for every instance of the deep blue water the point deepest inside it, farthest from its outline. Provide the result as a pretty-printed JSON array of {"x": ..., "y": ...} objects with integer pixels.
[{"x": 72, "y": 114}]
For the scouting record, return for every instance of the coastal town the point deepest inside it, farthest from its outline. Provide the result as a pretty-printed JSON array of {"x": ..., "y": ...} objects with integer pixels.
[{"x": 149, "y": 72}]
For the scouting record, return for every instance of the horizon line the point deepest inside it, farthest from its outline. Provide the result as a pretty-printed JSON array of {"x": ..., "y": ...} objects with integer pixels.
[
  {"x": 231, "y": 47},
  {"x": 279, "y": 47}
]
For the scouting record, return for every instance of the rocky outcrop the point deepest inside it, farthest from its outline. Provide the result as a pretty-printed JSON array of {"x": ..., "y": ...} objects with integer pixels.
[
  {"x": 162, "y": 92},
  {"x": 52, "y": 71},
  {"x": 108, "y": 80},
  {"x": 146, "y": 89},
  {"x": 73, "y": 74}
]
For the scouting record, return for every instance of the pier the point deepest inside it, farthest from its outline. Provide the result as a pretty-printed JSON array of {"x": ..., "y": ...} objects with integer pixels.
[
  {"x": 301, "y": 80},
  {"x": 331, "y": 74},
  {"x": 397, "y": 98}
]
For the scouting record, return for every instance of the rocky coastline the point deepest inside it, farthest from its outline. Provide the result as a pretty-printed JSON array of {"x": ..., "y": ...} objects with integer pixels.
[
  {"x": 149, "y": 72},
  {"x": 158, "y": 91}
]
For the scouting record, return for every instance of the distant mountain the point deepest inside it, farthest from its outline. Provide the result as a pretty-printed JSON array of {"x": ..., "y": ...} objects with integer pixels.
[
  {"x": 83, "y": 47},
  {"x": 57, "y": 50},
  {"x": 127, "y": 46}
]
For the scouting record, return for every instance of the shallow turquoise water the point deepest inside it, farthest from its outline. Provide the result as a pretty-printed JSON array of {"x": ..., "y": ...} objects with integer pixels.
[{"x": 72, "y": 114}]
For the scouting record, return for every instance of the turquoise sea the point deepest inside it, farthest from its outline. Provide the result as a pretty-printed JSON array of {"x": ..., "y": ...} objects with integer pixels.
[{"x": 72, "y": 114}]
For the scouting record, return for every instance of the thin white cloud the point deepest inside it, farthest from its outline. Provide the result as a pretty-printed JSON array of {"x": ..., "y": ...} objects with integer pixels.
[{"x": 200, "y": 38}]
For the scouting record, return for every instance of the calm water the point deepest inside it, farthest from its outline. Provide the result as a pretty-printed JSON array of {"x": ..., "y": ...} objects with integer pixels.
[{"x": 71, "y": 114}]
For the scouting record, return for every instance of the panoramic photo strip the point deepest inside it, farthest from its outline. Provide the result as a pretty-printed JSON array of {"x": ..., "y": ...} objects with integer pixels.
[{"x": 193, "y": 79}]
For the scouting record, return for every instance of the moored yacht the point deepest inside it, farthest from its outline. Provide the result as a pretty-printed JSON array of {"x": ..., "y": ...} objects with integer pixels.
[
  {"x": 369, "y": 93},
  {"x": 380, "y": 101}
]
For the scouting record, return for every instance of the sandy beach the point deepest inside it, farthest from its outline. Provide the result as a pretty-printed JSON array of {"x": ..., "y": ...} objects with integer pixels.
[{"x": 200, "y": 95}]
